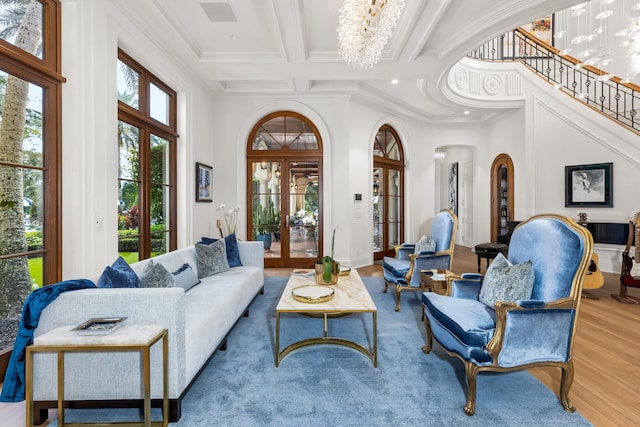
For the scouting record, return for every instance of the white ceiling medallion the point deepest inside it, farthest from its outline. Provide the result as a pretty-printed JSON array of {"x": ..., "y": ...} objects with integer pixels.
[{"x": 493, "y": 84}]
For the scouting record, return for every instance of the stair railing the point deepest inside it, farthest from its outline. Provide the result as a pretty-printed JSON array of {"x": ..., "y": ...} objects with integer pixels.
[{"x": 608, "y": 94}]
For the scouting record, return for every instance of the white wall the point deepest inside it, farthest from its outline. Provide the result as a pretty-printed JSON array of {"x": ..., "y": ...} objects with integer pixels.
[{"x": 92, "y": 31}]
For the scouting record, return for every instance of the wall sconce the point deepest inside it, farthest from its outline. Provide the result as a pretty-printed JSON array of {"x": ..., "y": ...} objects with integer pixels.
[
  {"x": 277, "y": 173},
  {"x": 263, "y": 165},
  {"x": 376, "y": 188}
]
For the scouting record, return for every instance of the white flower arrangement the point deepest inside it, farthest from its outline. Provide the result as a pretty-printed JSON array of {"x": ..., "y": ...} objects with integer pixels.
[{"x": 228, "y": 221}]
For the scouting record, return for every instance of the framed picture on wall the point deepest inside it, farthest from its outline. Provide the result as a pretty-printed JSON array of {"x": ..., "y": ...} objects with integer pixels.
[
  {"x": 204, "y": 183},
  {"x": 589, "y": 185},
  {"x": 453, "y": 187}
]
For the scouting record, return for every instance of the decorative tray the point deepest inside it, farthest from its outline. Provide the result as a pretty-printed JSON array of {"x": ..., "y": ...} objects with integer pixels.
[
  {"x": 312, "y": 294},
  {"x": 345, "y": 270},
  {"x": 99, "y": 326},
  {"x": 302, "y": 273}
]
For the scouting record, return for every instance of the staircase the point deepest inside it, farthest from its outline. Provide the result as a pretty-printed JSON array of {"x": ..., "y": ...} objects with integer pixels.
[{"x": 616, "y": 98}]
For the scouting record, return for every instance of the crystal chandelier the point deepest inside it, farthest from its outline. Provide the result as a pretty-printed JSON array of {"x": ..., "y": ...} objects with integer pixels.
[
  {"x": 439, "y": 154},
  {"x": 364, "y": 28}
]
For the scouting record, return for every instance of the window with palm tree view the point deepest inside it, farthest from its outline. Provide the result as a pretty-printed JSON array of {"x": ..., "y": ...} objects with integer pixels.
[
  {"x": 30, "y": 87},
  {"x": 147, "y": 163}
]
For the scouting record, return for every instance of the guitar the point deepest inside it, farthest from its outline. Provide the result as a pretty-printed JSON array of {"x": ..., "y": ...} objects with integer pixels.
[
  {"x": 594, "y": 278},
  {"x": 630, "y": 268}
]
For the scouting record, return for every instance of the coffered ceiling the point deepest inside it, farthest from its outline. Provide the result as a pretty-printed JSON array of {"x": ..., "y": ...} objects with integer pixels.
[{"x": 288, "y": 48}]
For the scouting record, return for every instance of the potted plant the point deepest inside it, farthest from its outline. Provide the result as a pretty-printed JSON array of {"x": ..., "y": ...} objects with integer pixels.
[
  {"x": 327, "y": 269},
  {"x": 266, "y": 221},
  {"x": 261, "y": 231}
]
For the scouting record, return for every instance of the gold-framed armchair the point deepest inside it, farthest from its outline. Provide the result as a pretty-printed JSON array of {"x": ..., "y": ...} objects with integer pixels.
[
  {"x": 403, "y": 271},
  {"x": 534, "y": 326}
]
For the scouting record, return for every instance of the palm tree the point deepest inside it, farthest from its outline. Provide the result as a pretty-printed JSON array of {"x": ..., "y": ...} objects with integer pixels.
[{"x": 24, "y": 20}]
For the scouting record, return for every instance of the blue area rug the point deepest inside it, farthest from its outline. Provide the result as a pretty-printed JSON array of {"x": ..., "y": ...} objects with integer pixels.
[{"x": 336, "y": 386}]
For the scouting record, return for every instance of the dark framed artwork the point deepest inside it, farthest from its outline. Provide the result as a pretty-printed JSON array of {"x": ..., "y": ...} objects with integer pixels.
[
  {"x": 589, "y": 185},
  {"x": 204, "y": 183},
  {"x": 453, "y": 187}
]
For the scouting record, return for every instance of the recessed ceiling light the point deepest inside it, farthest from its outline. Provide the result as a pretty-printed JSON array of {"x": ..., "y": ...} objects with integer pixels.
[
  {"x": 394, "y": 81},
  {"x": 467, "y": 112},
  {"x": 233, "y": 36}
]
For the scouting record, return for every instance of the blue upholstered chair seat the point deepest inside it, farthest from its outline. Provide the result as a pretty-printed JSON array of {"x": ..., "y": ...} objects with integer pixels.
[
  {"x": 470, "y": 321},
  {"x": 396, "y": 267}
]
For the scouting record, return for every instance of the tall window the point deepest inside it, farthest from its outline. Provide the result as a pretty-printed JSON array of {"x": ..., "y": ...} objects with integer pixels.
[
  {"x": 30, "y": 98},
  {"x": 388, "y": 188},
  {"x": 147, "y": 201}
]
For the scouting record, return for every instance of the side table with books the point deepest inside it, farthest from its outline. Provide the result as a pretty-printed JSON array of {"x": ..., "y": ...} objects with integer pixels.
[{"x": 101, "y": 335}]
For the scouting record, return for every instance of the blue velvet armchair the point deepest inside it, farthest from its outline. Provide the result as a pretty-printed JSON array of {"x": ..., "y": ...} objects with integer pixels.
[
  {"x": 403, "y": 271},
  {"x": 520, "y": 334}
]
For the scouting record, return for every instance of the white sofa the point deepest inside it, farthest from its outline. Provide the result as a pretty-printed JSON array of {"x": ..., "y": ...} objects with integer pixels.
[{"x": 198, "y": 322}]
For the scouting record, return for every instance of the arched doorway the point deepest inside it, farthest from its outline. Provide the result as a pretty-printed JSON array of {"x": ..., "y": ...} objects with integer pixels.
[
  {"x": 284, "y": 189},
  {"x": 388, "y": 192},
  {"x": 501, "y": 195}
]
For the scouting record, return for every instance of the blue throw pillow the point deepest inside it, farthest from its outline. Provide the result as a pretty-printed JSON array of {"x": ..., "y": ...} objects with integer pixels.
[
  {"x": 119, "y": 275},
  {"x": 233, "y": 252},
  {"x": 185, "y": 277}
]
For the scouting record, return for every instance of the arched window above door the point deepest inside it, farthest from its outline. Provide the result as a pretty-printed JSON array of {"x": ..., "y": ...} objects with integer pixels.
[
  {"x": 284, "y": 130},
  {"x": 387, "y": 145}
]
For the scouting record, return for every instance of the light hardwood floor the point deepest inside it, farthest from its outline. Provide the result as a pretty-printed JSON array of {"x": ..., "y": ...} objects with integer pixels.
[{"x": 606, "y": 387}]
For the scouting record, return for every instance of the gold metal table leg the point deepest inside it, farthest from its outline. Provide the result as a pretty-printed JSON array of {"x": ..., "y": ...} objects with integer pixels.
[
  {"x": 165, "y": 363},
  {"x": 28, "y": 387},
  {"x": 277, "y": 338},
  {"x": 325, "y": 339},
  {"x": 325, "y": 325},
  {"x": 60, "y": 357},
  {"x": 146, "y": 374},
  {"x": 375, "y": 339}
]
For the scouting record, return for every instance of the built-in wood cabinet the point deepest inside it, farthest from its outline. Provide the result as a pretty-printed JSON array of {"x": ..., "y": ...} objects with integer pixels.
[{"x": 501, "y": 195}]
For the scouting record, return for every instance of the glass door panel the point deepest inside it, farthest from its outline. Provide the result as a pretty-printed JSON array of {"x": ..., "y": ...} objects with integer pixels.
[
  {"x": 303, "y": 209},
  {"x": 394, "y": 201},
  {"x": 266, "y": 205},
  {"x": 378, "y": 211}
]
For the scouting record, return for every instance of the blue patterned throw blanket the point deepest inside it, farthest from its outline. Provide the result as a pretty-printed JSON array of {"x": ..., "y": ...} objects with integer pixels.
[{"x": 14, "y": 379}]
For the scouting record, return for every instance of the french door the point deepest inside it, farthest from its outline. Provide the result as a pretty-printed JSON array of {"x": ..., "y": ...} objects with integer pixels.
[
  {"x": 286, "y": 208},
  {"x": 388, "y": 185},
  {"x": 284, "y": 165},
  {"x": 387, "y": 211}
]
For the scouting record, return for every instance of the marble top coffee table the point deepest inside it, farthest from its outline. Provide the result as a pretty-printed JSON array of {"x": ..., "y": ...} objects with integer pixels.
[{"x": 349, "y": 296}]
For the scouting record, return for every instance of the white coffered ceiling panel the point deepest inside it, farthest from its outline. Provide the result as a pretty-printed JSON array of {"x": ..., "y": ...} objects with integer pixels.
[{"x": 290, "y": 47}]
